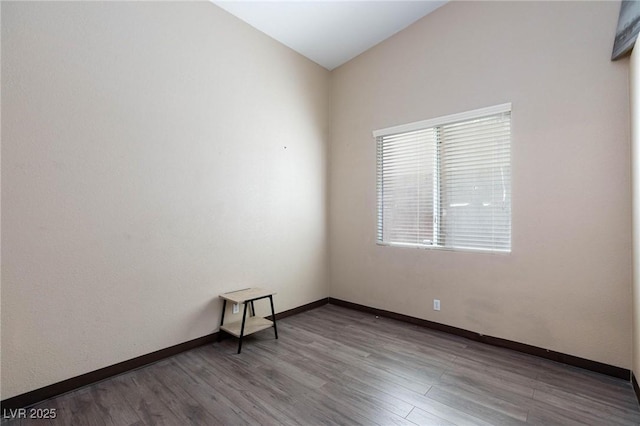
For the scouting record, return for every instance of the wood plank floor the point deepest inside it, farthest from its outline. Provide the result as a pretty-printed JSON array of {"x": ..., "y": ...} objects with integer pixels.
[{"x": 336, "y": 366}]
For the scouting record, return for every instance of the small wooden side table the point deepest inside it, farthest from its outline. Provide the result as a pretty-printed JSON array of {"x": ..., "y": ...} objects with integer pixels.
[{"x": 252, "y": 324}]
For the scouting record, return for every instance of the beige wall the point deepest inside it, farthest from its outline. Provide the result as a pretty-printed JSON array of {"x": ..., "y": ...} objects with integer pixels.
[
  {"x": 566, "y": 284},
  {"x": 154, "y": 155},
  {"x": 634, "y": 79}
]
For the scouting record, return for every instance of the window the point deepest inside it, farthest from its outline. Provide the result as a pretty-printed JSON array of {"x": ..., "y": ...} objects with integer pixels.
[{"x": 446, "y": 183}]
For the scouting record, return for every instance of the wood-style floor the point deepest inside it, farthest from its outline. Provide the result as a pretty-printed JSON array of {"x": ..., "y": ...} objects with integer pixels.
[{"x": 333, "y": 365}]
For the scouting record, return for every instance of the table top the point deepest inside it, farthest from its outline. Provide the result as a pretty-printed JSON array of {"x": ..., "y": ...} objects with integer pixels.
[{"x": 244, "y": 295}]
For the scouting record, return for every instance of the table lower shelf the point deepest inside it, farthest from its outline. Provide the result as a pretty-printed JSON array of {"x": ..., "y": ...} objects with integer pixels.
[{"x": 251, "y": 325}]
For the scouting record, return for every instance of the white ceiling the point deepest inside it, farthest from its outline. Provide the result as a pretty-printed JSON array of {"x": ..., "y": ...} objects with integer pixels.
[{"x": 329, "y": 32}]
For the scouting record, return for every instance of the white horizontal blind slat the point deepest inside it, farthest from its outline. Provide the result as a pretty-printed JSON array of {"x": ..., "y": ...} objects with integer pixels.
[
  {"x": 447, "y": 119},
  {"x": 475, "y": 186},
  {"x": 448, "y": 185},
  {"x": 405, "y": 187}
]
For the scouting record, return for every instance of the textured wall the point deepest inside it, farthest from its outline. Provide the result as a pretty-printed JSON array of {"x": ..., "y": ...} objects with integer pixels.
[
  {"x": 154, "y": 155},
  {"x": 566, "y": 284}
]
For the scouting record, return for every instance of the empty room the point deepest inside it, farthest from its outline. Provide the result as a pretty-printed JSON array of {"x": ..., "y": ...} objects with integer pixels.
[{"x": 320, "y": 212}]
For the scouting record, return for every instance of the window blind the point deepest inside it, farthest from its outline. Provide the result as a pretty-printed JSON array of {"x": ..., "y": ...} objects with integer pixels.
[{"x": 446, "y": 183}]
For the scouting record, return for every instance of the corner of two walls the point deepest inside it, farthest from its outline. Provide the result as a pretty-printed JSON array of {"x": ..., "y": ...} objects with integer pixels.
[{"x": 154, "y": 155}]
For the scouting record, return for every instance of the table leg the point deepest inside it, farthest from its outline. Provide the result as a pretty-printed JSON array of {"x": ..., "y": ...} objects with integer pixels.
[
  {"x": 224, "y": 307},
  {"x": 244, "y": 317},
  {"x": 273, "y": 316}
]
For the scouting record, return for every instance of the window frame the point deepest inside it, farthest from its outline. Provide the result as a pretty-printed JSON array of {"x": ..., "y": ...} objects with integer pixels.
[{"x": 436, "y": 123}]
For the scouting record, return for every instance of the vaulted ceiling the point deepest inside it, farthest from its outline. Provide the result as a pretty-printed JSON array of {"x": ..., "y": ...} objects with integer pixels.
[{"x": 329, "y": 32}]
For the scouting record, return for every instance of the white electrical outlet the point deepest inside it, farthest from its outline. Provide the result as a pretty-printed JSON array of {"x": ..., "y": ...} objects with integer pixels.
[
  {"x": 436, "y": 304},
  {"x": 236, "y": 308}
]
